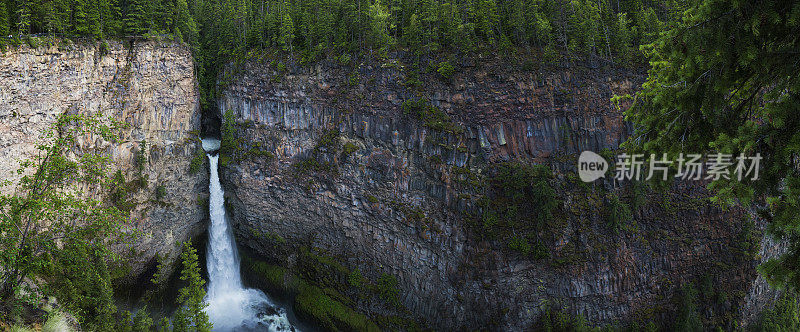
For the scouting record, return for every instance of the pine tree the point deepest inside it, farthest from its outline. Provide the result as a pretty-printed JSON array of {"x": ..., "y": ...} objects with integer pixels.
[
  {"x": 56, "y": 16},
  {"x": 191, "y": 316},
  {"x": 429, "y": 17},
  {"x": 649, "y": 25},
  {"x": 87, "y": 18},
  {"x": 413, "y": 34},
  {"x": 540, "y": 24},
  {"x": 110, "y": 18},
  {"x": 287, "y": 29},
  {"x": 516, "y": 21},
  {"x": 136, "y": 21},
  {"x": 164, "y": 14},
  {"x": 379, "y": 18},
  {"x": 487, "y": 21},
  {"x": 725, "y": 79},
  {"x": 24, "y": 17},
  {"x": 584, "y": 23},
  {"x": 4, "y": 30},
  {"x": 623, "y": 38},
  {"x": 184, "y": 23}
]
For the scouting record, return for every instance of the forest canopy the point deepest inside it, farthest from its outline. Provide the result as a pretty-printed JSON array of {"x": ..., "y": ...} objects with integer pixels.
[{"x": 605, "y": 27}]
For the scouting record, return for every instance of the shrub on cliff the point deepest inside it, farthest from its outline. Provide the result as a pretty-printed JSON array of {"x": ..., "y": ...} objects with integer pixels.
[
  {"x": 229, "y": 145},
  {"x": 783, "y": 316},
  {"x": 446, "y": 70},
  {"x": 518, "y": 207},
  {"x": 52, "y": 229},
  {"x": 431, "y": 116},
  {"x": 618, "y": 213},
  {"x": 57, "y": 238},
  {"x": 520, "y": 196}
]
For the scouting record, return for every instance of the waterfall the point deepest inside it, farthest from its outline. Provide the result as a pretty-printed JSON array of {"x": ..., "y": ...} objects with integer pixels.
[{"x": 231, "y": 307}]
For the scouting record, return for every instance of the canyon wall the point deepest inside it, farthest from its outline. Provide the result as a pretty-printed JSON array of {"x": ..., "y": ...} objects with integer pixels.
[
  {"x": 148, "y": 85},
  {"x": 327, "y": 160}
]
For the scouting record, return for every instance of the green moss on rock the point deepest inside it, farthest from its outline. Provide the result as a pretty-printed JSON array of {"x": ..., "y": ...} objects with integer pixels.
[
  {"x": 313, "y": 304},
  {"x": 323, "y": 307}
]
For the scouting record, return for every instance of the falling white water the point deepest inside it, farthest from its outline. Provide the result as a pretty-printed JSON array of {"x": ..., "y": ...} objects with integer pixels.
[{"x": 231, "y": 307}]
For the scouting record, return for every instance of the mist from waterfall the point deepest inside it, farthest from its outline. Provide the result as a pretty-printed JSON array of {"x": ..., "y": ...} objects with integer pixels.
[{"x": 231, "y": 307}]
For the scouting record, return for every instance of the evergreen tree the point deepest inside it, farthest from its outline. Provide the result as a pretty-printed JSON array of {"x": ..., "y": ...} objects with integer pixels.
[
  {"x": 584, "y": 26},
  {"x": 4, "y": 30},
  {"x": 136, "y": 21},
  {"x": 287, "y": 29},
  {"x": 379, "y": 32},
  {"x": 428, "y": 18},
  {"x": 487, "y": 20},
  {"x": 413, "y": 34},
  {"x": 110, "y": 18},
  {"x": 87, "y": 18},
  {"x": 164, "y": 13},
  {"x": 623, "y": 38},
  {"x": 649, "y": 25},
  {"x": 725, "y": 79},
  {"x": 190, "y": 316},
  {"x": 541, "y": 27},
  {"x": 185, "y": 24},
  {"x": 24, "y": 17},
  {"x": 56, "y": 16},
  {"x": 230, "y": 27}
]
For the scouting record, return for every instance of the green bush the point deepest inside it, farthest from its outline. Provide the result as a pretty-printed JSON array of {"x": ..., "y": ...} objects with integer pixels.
[
  {"x": 348, "y": 149},
  {"x": 197, "y": 161},
  {"x": 323, "y": 307},
  {"x": 446, "y": 70},
  {"x": 387, "y": 288},
  {"x": 619, "y": 214},
  {"x": 515, "y": 190},
  {"x": 520, "y": 244},
  {"x": 558, "y": 321},
  {"x": 104, "y": 47},
  {"x": 312, "y": 165},
  {"x": 355, "y": 279},
  {"x": 118, "y": 192},
  {"x": 784, "y": 315},
  {"x": 431, "y": 116},
  {"x": 314, "y": 304},
  {"x": 161, "y": 192}
]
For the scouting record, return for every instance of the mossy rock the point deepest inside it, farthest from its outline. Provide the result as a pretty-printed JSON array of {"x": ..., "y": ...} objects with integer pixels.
[
  {"x": 313, "y": 304},
  {"x": 322, "y": 307}
]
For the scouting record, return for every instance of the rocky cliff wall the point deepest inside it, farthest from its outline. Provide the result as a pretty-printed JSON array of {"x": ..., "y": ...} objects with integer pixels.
[
  {"x": 327, "y": 159},
  {"x": 148, "y": 85}
]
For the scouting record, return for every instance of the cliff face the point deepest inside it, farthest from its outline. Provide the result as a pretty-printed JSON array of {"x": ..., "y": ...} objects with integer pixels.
[
  {"x": 390, "y": 195},
  {"x": 150, "y": 86}
]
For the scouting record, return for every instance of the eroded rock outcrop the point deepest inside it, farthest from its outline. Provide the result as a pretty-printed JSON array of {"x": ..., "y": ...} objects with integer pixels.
[
  {"x": 396, "y": 196},
  {"x": 147, "y": 84}
]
